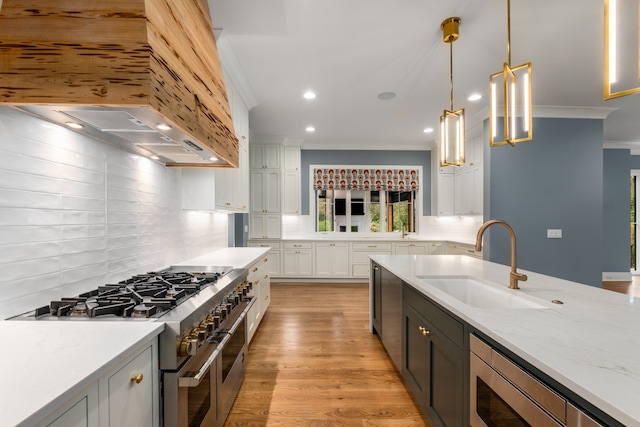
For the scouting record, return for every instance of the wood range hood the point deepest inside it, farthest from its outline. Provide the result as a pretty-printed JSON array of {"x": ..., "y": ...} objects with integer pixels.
[{"x": 120, "y": 68}]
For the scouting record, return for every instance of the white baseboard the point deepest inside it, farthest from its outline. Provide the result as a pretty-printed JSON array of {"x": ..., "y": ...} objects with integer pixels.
[{"x": 616, "y": 276}]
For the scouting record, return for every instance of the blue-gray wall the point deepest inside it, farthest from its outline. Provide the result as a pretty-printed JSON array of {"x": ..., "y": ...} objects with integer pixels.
[
  {"x": 634, "y": 162},
  {"x": 554, "y": 181},
  {"x": 366, "y": 158},
  {"x": 617, "y": 242}
]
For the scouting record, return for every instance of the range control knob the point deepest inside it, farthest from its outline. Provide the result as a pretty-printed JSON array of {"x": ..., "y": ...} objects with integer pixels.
[
  {"x": 199, "y": 333},
  {"x": 188, "y": 347},
  {"x": 207, "y": 325}
]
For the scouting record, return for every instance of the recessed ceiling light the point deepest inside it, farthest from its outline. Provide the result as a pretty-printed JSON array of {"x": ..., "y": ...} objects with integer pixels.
[
  {"x": 163, "y": 126},
  {"x": 310, "y": 129},
  {"x": 385, "y": 96},
  {"x": 213, "y": 158},
  {"x": 74, "y": 125},
  {"x": 309, "y": 95},
  {"x": 474, "y": 97},
  {"x": 428, "y": 130}
]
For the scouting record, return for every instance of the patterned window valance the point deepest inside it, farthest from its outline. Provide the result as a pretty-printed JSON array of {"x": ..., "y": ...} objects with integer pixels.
[{"x": 366, "y": 179}]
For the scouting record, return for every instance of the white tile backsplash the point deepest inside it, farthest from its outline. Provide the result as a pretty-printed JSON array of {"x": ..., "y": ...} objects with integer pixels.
[
  {"x": 76, "y": 213},
  {"x": 26, "y": 199}
]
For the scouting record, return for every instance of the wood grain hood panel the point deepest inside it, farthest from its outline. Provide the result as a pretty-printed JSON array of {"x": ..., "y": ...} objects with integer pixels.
[{"x": 153, "y": 60}]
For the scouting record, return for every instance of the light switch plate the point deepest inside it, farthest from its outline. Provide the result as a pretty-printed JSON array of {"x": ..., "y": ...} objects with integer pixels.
[{"x": 554, "y": 233}]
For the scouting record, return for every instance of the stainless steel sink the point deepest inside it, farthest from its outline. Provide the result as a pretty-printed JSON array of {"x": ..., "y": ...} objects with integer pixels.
[{"x": 479, "y": 293}]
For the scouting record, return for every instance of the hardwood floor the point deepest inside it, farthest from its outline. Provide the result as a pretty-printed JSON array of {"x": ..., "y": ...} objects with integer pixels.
[
  {"x": 314, "y": 363},
  {"x": 629, "y": 288}
]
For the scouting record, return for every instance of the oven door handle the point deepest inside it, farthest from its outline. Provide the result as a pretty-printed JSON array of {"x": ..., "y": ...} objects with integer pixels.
[{"x": 194, "y": 380}]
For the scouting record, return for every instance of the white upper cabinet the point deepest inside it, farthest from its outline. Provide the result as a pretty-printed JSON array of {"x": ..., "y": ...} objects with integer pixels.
[
  {"x": 291, "y": 180},
  {"x": 222, "y": 188},
  {"x": 265, "y": 191},
  {"x": 232, "y": 185},
  {"x": 291, "y": 156},
  {"x": 460, "y": 189},
  {"x": 265, "y": 156}
]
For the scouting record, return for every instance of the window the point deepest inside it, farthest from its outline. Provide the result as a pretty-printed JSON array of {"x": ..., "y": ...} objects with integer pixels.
[
  {"x": 401, "y": 211},
  {"x": 366, "y": 200},
  {"x": 366, "y": 211}
]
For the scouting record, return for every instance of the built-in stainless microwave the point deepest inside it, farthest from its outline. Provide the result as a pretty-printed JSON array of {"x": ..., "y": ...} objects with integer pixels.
[{"x": 504, "y": 394}]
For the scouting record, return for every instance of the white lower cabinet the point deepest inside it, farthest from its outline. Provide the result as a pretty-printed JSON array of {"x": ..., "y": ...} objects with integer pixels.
[
  {"x": 275, "y": 255},
  {"x": 437, "y": 248},
  {"x": 418, "y": 248},
  {"x": 261, "y": 290},
  {"x": 298, "y": 259},
  {"x": 130, "y": 393},
  {"x": 127, "y": 395},
  {"x": 82, "y": 411},
  {"x": 463, "y": 249},
  {"x": 360, "y": 266},
  {"x": 349, "y": 260},
  {"x": 332, "y": 259}
]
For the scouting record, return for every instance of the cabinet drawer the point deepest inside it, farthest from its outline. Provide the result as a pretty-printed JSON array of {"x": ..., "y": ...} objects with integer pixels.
[
  {"x": 372, "y": 247},
  {"x": 272, "y": 245},
  {"x": 363, "y": 257},
  {"x": 447, "y": 325},
  {"x": 298, "y": 245},
  {"x": 258, "y": 269}
]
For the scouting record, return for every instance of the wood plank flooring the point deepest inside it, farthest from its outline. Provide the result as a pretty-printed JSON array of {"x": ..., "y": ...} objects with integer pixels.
[
  {"x": 629, "y": 288},
  {"x": 313, "y": 362}
]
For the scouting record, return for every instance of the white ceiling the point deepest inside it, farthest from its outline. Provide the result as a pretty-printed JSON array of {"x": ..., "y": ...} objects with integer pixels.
[{"x": 349, "y": 51}]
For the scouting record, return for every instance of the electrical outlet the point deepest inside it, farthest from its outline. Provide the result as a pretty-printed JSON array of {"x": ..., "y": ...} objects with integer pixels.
[{"x": 554, "y": 233}]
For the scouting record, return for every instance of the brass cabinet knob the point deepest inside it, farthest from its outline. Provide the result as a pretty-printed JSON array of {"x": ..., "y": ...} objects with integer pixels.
[
  {"x": 425, "y": 331},
  {"x": 137, "y": 377}
]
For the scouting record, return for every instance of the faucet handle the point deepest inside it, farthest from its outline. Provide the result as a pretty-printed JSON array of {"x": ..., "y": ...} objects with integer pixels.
[
  {"x": 521, "y": 277},
  {"x": 514, "y": 278}
]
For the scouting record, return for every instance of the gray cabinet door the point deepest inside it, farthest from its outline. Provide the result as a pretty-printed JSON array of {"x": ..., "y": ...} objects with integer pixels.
[
  {"x": 435, "y": 364},
  {"x": 391, "y": 316}
]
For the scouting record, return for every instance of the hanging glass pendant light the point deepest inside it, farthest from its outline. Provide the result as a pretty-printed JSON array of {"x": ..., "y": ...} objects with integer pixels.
[
  {"x": 451, "y": 121},
  {"x": 621, "y": 53},
  {"x": 510, "y": 94}
]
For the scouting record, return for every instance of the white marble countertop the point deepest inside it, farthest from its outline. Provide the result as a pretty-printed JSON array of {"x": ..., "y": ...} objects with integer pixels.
[
  {"x": 383, "y": 237},
  {"x": 590, "y": 344},
  {"x": 234, "y": 257},
  {"x": 44, "y": 364}
]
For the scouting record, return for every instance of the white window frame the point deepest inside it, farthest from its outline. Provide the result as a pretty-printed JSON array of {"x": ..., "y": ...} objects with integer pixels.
[{"x": 383, "y": 215}]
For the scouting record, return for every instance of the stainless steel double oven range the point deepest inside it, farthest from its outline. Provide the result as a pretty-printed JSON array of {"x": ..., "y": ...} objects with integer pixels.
[{"x": 203, "y": 346}]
